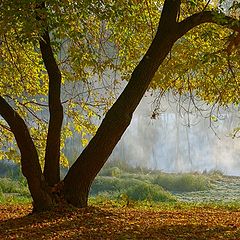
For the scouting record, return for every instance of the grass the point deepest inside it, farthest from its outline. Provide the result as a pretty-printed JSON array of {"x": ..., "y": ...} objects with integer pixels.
[
  {"x": 165, "y": 206},
  {"x": 183, "y": 182},
  {"x": 15, "y": 199},
  {"x": 125, "y": 205},
  {"x": 155, "y": 186},
  {"x": 12, "y": 191},
  {"x": 131, "y": 186},
  {"x": 148, "y": 192}
]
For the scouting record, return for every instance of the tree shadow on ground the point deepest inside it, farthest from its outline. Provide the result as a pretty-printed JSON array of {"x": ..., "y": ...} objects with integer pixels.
[
  {"x": 180, "y": 232},
  {"x": 112, "y": 223}
]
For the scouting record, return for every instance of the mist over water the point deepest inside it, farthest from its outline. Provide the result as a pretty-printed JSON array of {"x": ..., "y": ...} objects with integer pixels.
[{"x": 174, "y": 142}]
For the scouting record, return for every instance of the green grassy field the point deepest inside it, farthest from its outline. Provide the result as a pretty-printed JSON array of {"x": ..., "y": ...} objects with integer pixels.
[
  {"x": 131, "y": 205},
  {"x": 128, "y": 186}
]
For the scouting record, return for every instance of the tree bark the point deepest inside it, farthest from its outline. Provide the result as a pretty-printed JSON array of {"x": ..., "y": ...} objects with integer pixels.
[
  {"x": 207, "y": 17},
  {"x": 29, "y": 158},
  {"x": 52, "y": 154},
  {"x": 80, "y": 176},
  {"x": 77, "y": 182}
]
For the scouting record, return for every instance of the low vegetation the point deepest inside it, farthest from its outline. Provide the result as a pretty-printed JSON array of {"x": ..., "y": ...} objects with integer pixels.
[
  {"x": 127, "y": 204},
  {"x": 126, "y": 185},
  {"x": 145, "y": 185},
  {"x": 183, "y": 182},
  {"x": 13, "y": 191}
]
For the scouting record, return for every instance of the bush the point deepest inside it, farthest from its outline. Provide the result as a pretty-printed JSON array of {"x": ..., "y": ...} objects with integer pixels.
[
  {"x": 182, "y": 182},
  {"x": 105, "y": 184},
  {"x": 110, "y": 172},
  {"x": 10, "y": 186},
  {"x": 148, "y": 192},
  {"x": 134, "y": 189},
  {"x": 1, "y": 193}
]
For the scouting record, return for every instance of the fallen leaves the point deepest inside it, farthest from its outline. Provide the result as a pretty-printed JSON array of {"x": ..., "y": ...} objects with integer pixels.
[{"x": 107, "y": 222}]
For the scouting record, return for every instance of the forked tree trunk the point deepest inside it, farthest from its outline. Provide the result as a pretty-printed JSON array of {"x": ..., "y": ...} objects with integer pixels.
[{"x": 77, "y": 182}]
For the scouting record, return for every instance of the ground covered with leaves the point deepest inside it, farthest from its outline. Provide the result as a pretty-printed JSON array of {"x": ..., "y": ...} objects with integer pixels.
[{"x": 109, "y": 222}]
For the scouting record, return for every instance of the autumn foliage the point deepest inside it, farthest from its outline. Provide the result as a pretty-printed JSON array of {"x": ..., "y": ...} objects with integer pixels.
[{"x": 108, "y": 222}]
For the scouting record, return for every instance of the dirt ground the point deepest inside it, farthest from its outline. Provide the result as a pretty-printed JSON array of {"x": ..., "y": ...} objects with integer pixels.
[{"x": 106, "y": 222}]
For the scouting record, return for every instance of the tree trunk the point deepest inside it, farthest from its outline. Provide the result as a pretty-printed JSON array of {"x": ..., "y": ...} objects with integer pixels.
[
  {"x": 80, "y": 176},
  {"x": 52, "y": 154},
  {"x": 31, "y": 169},
  {"x": 77, "y": 182}
]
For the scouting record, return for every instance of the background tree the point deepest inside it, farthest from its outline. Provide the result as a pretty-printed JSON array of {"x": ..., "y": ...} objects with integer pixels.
[{"x": 47, "y": 43}]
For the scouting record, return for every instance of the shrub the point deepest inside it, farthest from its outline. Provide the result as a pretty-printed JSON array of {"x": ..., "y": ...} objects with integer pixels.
[
  {"x": 182, "y": 182},
  {"x": 149, "y": 192},
  {"x": 105, "y": 184},
  {"x": 10, "y": 186},
  {"x": 134, "y": 189},
  {"x": 1, "y": 193},
  {"x": 110, "y": 172}
]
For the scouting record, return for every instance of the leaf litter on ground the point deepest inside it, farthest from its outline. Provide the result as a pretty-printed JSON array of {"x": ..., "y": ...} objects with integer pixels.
[{"x": 106, "y": 221}]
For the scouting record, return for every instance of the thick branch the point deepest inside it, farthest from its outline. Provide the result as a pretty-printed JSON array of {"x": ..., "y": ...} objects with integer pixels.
[
  {"x": 51, "y": 168},
  {"x": 118, "y": 118},
  {"x": 169, "y": 14},
  {"x": 29, "y": 158},
  {"x": 83, "y": 171},
  {"x": 207, "y": 17},
  {"x": 27, "y": 148}
]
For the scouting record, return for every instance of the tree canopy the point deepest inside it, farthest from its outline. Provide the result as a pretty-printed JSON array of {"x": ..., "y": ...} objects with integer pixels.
[
  {"x": 99, "y": 38},
  {"x": 62, "y": 62}
]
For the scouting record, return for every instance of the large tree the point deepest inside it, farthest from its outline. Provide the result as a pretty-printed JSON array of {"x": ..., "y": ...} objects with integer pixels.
[{"x": 34, "y": 32}]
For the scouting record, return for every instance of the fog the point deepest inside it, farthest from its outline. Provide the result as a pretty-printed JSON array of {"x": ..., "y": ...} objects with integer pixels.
[
  {"x": 176, "y": 134},
  {"x": 175, "y": 140}
]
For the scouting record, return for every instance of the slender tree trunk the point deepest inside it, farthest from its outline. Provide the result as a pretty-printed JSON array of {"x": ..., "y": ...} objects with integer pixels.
[
  {"x": 31, "y": 169},
  {"x": 52, "y": 154}
]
